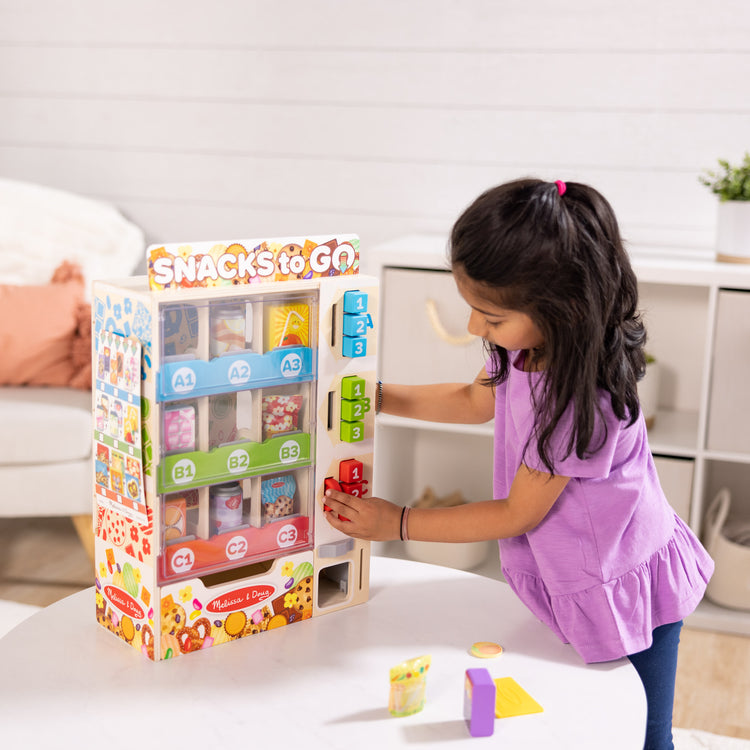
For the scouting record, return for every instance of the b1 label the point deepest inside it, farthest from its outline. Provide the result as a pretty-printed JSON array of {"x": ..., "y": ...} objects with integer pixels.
[{"x": 183, "y": 471}]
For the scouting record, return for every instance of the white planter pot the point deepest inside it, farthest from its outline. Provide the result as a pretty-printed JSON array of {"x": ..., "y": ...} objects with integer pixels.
[{"x": 733, "y": 232}]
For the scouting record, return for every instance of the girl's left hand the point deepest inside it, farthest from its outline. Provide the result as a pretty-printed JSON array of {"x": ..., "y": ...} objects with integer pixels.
[{"x": 370, "y": 518}]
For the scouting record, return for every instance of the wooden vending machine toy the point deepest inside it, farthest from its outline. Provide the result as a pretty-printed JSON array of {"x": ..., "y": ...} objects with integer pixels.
[{"x": 230, "y": 385}]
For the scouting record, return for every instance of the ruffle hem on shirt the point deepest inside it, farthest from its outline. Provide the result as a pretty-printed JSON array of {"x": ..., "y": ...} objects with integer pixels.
[{"x": 598, "y": 621}]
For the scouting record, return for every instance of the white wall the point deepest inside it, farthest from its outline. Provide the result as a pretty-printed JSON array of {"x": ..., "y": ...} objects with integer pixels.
[{"x": 249, "y": 118}]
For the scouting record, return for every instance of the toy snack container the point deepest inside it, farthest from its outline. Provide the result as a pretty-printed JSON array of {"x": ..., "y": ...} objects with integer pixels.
[
  {"x": 226, "y": 506},
  {"x": 408, "y": 686},
  {"x": 227, "y": 331}
]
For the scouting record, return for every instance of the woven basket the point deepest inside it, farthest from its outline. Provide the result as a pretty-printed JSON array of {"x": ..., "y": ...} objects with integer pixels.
[{"x": 729, "y": 545}]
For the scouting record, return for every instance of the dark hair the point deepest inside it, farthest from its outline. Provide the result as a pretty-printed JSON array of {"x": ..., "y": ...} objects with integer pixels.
[{"x": 560, "y": 260}]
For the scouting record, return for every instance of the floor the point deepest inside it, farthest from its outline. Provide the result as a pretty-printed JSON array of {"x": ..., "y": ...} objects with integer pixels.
[{"x": 42, "y": 560}]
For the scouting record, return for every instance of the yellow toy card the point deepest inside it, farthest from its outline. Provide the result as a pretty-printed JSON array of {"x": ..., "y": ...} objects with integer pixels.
[{"x": 512, "y": 700}]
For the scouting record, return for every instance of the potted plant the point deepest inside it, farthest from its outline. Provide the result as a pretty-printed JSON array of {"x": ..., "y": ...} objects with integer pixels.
[{"x": 732, "y": 184}]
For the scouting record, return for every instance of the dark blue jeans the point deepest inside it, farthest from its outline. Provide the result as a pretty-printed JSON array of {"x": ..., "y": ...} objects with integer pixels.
[{"x": 657, "y": 668}]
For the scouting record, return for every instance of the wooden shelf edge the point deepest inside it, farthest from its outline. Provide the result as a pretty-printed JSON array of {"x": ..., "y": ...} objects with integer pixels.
[
  {"x": 388, "y": 421},
  {"x": 713, "y": 617}
]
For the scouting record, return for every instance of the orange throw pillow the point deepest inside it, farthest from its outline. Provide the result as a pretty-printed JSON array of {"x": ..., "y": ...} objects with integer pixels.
[{"x": 39, "y": 327}]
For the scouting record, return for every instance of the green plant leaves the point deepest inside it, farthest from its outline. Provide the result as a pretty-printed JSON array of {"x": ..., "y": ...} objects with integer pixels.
[{"x": 730, "y": 183}]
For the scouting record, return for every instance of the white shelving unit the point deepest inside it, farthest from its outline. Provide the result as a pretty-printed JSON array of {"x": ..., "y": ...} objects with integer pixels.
[{"x": 697, "y": 313}]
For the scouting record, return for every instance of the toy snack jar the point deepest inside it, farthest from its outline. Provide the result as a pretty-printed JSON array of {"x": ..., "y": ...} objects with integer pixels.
[{"x": 408, "y": 686}]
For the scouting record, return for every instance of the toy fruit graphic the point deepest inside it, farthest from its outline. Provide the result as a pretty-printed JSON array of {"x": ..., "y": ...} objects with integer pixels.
[
  {"x": 303, "y": 570},
  {"x": 130, "y": 584}
]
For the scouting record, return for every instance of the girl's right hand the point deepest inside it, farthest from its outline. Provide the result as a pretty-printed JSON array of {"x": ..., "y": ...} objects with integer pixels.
[{"x": 371, "y": 518}]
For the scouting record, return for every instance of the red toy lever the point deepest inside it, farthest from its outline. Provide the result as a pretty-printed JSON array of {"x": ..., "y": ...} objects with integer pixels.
[{"x": 329, "y": 483}]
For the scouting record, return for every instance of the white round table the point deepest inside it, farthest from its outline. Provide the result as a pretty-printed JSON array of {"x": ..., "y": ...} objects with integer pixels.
[{"x": 323, "y": 682}]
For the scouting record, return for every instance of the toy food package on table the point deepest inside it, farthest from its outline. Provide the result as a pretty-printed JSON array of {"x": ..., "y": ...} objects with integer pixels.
[{"x": 408, "y": 686}]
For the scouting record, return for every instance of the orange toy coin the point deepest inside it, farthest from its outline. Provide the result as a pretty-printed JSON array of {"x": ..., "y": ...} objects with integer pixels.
[{"x": 486, "y": 650}]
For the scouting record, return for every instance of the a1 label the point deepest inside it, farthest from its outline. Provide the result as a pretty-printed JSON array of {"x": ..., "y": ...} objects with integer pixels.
[{"x": 183, "y": 380}]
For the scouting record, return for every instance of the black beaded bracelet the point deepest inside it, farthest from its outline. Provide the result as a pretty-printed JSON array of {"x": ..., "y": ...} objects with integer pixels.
[{"x": 379, "y": 397}]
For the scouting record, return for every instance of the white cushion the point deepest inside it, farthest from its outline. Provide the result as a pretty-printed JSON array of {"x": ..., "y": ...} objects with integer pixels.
[
  {"x": 61, "y": 489},
  {"x": 41, "y": 226},
  {"x": 44, "y": 425}
]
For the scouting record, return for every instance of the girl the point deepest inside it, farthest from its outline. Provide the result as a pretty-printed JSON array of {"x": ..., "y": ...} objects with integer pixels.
[{"x": 587, "y": 539}]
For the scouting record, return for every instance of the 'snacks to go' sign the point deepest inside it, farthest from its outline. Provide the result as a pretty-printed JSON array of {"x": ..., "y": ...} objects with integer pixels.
[{"x": 212, "y": 264}]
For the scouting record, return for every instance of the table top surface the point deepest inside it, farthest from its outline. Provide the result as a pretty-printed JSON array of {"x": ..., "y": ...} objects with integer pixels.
[{"x": 323, "y": 682}]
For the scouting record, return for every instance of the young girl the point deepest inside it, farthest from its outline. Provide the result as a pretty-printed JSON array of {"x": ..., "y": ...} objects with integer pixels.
[{"x": 587, "y": 539}]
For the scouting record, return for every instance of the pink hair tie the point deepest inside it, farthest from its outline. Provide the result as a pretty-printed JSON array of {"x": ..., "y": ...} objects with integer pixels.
[{"x": 561, "y": 187}]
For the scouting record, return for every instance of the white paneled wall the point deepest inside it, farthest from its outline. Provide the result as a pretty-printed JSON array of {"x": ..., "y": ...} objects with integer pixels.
[{"x": 249, "y": 118}]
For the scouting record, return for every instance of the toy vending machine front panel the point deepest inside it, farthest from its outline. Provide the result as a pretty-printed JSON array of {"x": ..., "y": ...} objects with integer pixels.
[{"x": 237, "y": 402}]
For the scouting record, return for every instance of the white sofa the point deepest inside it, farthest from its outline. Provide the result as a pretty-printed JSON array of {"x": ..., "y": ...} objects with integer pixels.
[{"x": 46, "y": 432}]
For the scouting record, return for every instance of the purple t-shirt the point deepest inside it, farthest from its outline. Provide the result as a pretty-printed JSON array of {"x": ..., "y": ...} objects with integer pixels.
[{"x": 611, "y": 561}]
